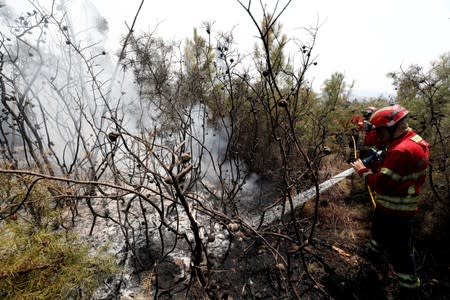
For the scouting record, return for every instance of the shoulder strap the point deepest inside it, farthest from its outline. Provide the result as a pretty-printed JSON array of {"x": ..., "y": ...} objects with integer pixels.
[{"x": 419, "y": 140}]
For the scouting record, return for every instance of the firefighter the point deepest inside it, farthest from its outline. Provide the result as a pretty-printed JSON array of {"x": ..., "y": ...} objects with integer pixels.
[
  {"x": 362, "y": 130},
  {"x": 396, "y": 186},
  {"x": 368, "y": 112},
  {"x": 370, "y": 137}
]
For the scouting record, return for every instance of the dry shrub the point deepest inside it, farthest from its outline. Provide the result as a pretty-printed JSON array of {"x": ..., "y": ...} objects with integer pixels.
[{"x": 434, "y": 230}]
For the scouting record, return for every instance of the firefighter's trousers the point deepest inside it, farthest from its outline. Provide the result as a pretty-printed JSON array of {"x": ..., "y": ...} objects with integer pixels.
[{"x": 393, "y": 233}]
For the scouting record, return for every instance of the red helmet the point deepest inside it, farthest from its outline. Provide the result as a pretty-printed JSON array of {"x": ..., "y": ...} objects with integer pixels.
[{"x": 388, "y": 116}]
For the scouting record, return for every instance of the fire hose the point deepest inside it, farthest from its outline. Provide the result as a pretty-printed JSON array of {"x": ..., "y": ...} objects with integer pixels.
[{"x": 277, "y": 211}]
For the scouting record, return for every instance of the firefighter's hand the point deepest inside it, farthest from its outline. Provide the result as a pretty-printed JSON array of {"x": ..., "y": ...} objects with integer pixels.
[{"x": 358, "y": 165}]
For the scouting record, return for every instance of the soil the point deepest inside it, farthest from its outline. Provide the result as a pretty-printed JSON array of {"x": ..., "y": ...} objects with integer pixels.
[{"x": 335, "y": 259}]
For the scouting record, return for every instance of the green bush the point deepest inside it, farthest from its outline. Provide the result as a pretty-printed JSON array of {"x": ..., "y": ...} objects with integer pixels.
[
  {"x": 37, "y": 261},
  {"x": 40, "y": 264}
]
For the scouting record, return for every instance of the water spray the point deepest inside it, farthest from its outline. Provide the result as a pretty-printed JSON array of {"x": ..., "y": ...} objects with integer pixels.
[{"x": 277, "y": 212}]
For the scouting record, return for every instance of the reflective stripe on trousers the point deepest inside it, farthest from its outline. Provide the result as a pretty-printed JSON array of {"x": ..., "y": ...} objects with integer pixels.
[
  {"x": 408, "y": 281},
  {"x": 376, "y": 247}
]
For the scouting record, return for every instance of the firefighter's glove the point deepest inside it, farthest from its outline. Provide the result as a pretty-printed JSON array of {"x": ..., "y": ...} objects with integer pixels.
[{"x": 359, "y": 167}]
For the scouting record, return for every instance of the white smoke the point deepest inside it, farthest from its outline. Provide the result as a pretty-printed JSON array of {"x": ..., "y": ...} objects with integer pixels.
[{"x": 62, "y": 67}]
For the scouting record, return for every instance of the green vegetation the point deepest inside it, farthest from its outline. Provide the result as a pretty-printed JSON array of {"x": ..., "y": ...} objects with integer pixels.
[
  {"x": 42, "y": 264},
  {"x": 37, "y": 261}
]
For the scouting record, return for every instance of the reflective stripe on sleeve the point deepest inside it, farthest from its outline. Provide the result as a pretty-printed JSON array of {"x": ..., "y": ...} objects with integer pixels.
[{"x": 397, "y": 177}]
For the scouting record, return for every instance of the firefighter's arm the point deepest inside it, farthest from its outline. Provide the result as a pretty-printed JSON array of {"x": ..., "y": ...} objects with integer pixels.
[
  {"x": 365, "y": 172},
  {"x": 379, "y": 181}
]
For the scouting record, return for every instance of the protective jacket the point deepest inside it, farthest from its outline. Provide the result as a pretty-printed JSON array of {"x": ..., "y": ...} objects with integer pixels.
[{"x": 397, "y": 185}]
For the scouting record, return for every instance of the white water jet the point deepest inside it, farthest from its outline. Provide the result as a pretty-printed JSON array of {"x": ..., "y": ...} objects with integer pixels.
[{"x": 276, "y": 212}]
